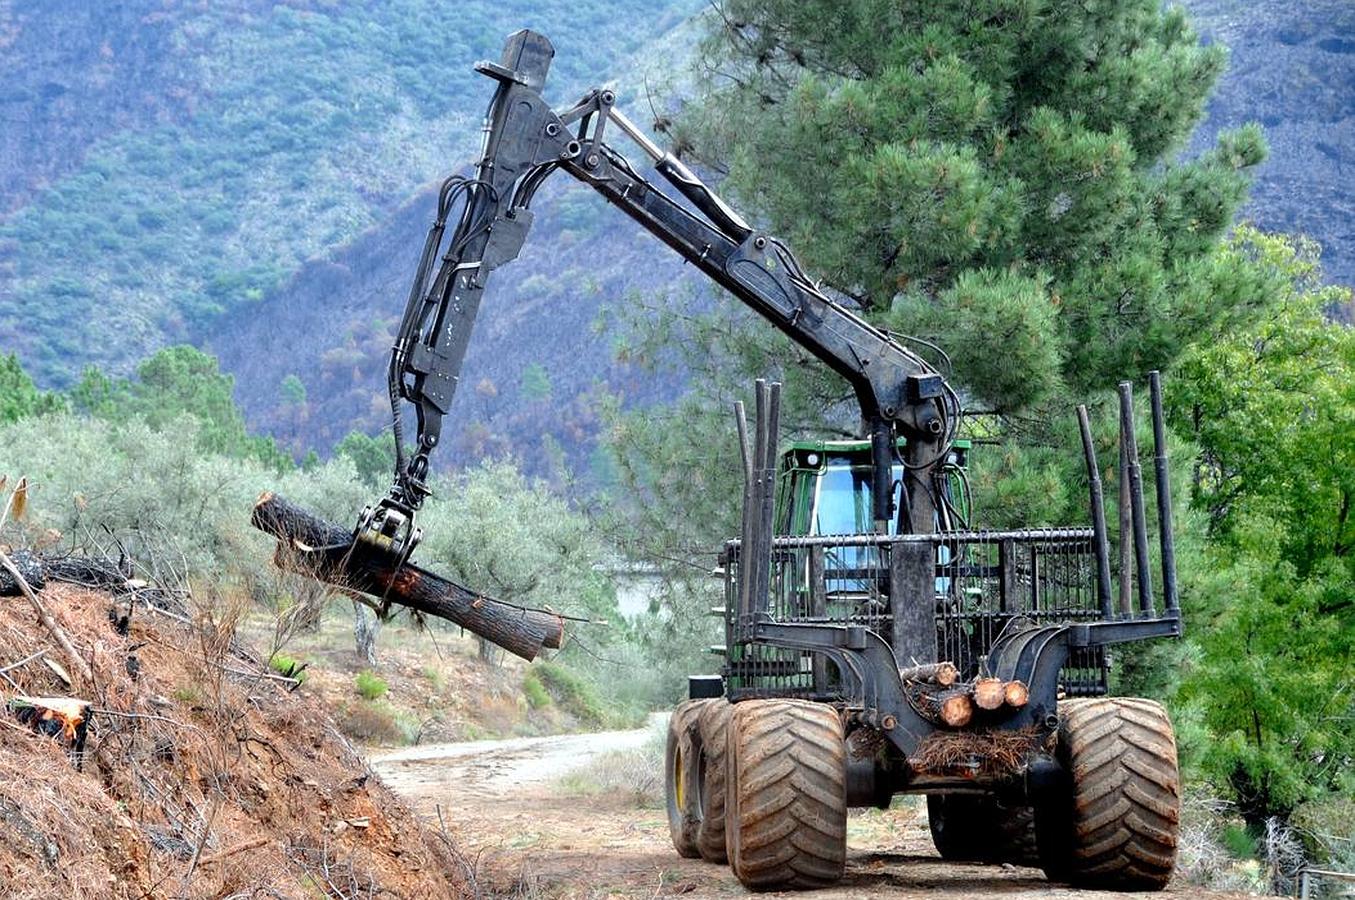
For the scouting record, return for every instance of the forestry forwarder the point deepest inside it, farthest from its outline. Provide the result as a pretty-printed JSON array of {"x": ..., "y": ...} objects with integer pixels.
[{"x": 918, "y": 656}]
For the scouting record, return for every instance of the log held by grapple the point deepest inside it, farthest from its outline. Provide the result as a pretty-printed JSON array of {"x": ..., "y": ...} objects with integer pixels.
[{"x": 313, "y": 546}]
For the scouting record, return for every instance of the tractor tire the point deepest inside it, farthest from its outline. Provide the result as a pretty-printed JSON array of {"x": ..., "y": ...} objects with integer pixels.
[
  {"x": 713, "y": 726},
  {"x": 680, "y": 778},
  {"x": 786, "y": 795},
  {"x": 1117, "y": 826},
  {"x": 972, "y": 828}
]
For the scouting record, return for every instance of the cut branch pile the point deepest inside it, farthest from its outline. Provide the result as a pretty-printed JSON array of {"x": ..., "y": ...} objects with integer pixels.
[
  {"x": 312, "y": 546},
  {"x": 995, "y": 752}
]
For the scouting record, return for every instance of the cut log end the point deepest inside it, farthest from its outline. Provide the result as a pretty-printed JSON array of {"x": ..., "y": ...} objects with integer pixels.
[
  {"x": 1016, "y": 693},
  {"x": 957, "y": 710},
  {"x": 952, "y": 707},
  {"x": 989, "y": 693}
]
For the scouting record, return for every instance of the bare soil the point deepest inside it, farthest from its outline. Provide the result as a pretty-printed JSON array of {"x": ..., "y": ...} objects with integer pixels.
[
  {"x": 202, "y": 776},
  {"x": 529, "y": 836}
]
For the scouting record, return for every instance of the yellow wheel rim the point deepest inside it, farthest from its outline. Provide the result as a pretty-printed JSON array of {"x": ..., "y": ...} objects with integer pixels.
[{"x": 679, "y": 782}]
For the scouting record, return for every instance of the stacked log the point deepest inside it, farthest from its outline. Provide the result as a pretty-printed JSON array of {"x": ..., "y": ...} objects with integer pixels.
[
  {"x": 989, "y": 693},
  {"x": 942, "y": 673},
  {"x": 955, "y": 704},
  {"x": 312, "y": 546},
  {"x": 953, "y": 707}
]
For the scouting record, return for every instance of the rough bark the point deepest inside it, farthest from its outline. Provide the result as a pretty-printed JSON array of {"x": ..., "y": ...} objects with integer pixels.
[
  {"x": 30, "y": 567},
  {"x": 943, "y": 673},
  {"x": 323, "y": 550}
]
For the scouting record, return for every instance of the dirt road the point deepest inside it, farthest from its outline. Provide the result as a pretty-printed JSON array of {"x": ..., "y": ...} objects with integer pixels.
[{"x": 531, "y": 837}]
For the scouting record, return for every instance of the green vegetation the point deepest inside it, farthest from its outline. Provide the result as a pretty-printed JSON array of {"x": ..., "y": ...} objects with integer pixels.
[
  {"x": 370, "y": 686},
  {"x": 164, "y": 462},
  {"x": 374, "y": 456},
  {"x": 287, "y": 667},
  {"x": 1271, "y": 410},
  {"x": 966, "y": 175},
  {"x": 175, "y": 382},
  {"x": 19, "y": 396},
  {"x": 535, "y": 692}
]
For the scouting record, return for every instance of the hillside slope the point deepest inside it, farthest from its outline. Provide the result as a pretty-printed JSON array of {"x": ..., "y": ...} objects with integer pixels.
[
  {"x": 254, "y": 177},
  {"x": 201, "y": 775},
  {"x": 177, "y": 161}
]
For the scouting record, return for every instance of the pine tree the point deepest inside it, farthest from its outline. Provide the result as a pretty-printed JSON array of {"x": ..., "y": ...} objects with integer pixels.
[{"x": 996, "y": 176}]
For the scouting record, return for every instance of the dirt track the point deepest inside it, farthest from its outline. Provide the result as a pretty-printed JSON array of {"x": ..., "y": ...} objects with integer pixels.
[{"x": 502, "y": 801}]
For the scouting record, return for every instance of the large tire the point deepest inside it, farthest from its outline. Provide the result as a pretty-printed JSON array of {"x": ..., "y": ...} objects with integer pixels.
[
  {"x": 680, "y": 778},
  {"x": 786, "y": 795},
  {"x": 713, "y": 726},
  {"x": 1117, "y": 826},
  {"x": 975, "y": 828}
]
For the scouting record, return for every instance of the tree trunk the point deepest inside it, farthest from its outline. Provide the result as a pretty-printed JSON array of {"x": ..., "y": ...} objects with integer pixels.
[
  {"x": 366, "y": 627},
  {"x": 310, "y": 545}
]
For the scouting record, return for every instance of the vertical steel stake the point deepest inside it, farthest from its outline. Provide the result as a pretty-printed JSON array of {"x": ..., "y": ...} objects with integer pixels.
[
  {"x": 1142, "y": 566},
  {"x": 1165, "y": 533},
  {"x": 1098, "y": 514}
]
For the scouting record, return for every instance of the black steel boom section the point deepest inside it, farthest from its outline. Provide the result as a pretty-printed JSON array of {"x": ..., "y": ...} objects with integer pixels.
[{"x": 899, "y": 393}]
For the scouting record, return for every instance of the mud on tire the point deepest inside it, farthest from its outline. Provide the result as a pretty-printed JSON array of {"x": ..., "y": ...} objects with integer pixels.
[
  {"x": 680, "y": 778},
  {"x": 713, "y": 727},
  {"x": 786, "y": 794},
  {"x": 1117, "y": 827}
]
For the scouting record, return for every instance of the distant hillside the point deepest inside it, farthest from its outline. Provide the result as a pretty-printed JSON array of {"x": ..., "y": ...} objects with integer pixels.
[
  {"x": 167, "y": 162},
  {"x": 1292, "y": 69},
  {"x": 254, "y": 177}
]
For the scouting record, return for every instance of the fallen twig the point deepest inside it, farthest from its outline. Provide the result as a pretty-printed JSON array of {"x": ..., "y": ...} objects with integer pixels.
[
  {"x": 58, "y": 634},
  {"x": 25, "y": 661}
]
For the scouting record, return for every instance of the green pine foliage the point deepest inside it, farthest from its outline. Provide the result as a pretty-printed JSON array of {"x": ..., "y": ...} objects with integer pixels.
[
  {"x": 998, "y": 177},
  {"x": 175, "y": 382},
  {"x": 19, "y": 396},
  {"x": 1272, "y": 412}
]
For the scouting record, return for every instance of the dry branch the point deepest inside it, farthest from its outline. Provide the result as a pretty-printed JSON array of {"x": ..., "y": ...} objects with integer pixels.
[
  {"x": 315, "y": 547},
  {"x": 30, "y": 568},
  {"x": 75, "y": 660}
]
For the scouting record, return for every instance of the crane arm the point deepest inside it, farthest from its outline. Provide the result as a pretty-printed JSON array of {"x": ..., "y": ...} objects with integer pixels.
[{"x": 898, "y": 392}]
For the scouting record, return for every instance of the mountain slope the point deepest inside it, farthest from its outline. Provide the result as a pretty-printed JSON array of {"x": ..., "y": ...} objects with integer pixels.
[{"x": 279, "y": 130}]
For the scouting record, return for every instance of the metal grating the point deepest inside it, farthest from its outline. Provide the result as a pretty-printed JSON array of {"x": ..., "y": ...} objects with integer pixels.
[{"x": 983, "y": 582}]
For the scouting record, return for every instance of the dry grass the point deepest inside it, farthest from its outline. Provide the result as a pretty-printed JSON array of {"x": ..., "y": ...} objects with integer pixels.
[
  {"x": 995, "y": 752},
  {"x": 635, "y": 775},
  {"x": 201, "y": 777}
]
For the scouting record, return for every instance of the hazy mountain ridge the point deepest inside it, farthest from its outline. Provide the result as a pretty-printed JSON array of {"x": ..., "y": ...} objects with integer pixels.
[
  {"x": 291, "y": 129},
  {"x": 127, "y": 220},
  {"x": 1292, "y": 68}
]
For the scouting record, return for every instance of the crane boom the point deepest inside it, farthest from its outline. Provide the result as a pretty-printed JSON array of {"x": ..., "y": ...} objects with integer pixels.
[{"x": 525, "y": 140}]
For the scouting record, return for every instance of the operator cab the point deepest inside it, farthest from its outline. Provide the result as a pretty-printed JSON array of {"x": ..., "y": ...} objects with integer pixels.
[{"x": 824, "y": 489}]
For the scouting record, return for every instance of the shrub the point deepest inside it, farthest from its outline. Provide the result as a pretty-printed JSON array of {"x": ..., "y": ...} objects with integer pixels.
[
  {"x": 371, "y": 722},
  {"x": 574, "y": 695},
  {"x": 370, "y": 686},
  {"x": 535, "y": 692},
  {"x": 288, "y": 667}
]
